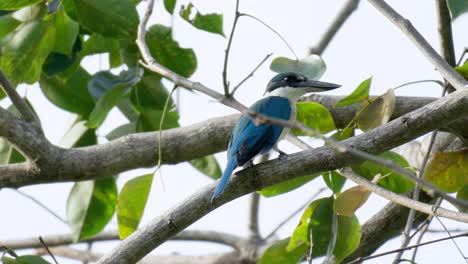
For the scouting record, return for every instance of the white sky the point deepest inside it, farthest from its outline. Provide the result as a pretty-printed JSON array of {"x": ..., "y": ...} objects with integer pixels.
[{"x": 368, "y": 45}]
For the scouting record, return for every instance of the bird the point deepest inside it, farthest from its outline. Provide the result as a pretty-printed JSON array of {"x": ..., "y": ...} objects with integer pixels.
[{"x": 249, "y": 140}]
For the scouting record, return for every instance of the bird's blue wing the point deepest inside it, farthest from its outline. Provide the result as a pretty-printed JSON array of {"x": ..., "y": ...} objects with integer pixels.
[{"x": 249, "y": 140}]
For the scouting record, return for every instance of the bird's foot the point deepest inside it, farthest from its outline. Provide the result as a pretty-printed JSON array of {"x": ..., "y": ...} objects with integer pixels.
[
  {"x": 282, "y": 156},
  {"x": 248, "y": 164}
]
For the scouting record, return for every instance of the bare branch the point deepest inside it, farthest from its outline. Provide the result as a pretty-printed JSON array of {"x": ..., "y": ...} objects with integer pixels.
[
  {"x": 254, "y": 232},
  {"x": 407, "y": 28},
  {"x": 43, "y": 206},
  {"x": 233, "y": 241},
  {"x": 47, "y": 249},
  {"x": 141, "y": 150},
  {"x": 345, "y": 12},
  {"x": 228, "y": 49},
  {"x": 359, "y": 260},
  {"x": 24, "y": 109},
  {"x": 250, "y": 74},
  {"x": 445, "y": 32}
]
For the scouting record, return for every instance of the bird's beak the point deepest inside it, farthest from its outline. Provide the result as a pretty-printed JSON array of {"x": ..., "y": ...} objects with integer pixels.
[{"x": 318, "y": 86}]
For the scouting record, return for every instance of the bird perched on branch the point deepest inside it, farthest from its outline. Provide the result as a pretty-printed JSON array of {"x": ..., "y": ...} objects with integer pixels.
[{"x": 249, "y": 140}]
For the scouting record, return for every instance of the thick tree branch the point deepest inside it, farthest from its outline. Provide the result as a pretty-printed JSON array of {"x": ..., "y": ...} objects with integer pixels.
[
  {"x": 141, "y": 150},
  {"x": 24, "y": 109},
  {"x": 455, "y": 79},
  {"x": 345, "y": 12},
  {"x": 380, "y": 139}
]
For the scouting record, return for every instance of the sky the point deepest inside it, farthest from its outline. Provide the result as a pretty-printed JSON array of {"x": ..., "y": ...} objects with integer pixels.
[{"x": 367, "y": 45}]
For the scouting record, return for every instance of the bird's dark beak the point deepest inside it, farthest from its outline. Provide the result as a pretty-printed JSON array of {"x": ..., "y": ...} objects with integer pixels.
[{"x": 318, "y": 86}]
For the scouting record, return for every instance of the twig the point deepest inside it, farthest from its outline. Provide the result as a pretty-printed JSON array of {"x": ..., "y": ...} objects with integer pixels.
[
  {"x": 456, "y": 230},
  {"x": 47, "y": 248},
  {"x": 407, "y": 28},
  {"x": 359, "y": 260},
  {"x": 291, "y": 216},
  {"x": 420, "y": 81},
  {"x": 228, "y": 48},
  {"x": 445, "y": 32},
  {"x": 233, "y": 241},
  {"x": 412, "y": 213},
  {"x": 423, "y": 229},
  {"x": 17, "y": 101},
  {"x": 254, "y": 232},
  {"x": 250, "y": 74},
  {"x": 405, "y": 201},
  {"x": 454, "y": 242},
  {"x": 345, "y": 12},
  {"x": 273, "y": 30},
  {"x": 36, "y": 201}
]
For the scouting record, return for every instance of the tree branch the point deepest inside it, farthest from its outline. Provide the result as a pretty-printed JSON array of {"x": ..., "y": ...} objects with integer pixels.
[
  {"x": 141, "y": 150},
  {"x": 345, "y": 12},
  {"x": 233, "y": 241},
  {"x": 24, "y": 109},
  {"x": 375, "y": 141},
  {"x": 455, "y": 79}
]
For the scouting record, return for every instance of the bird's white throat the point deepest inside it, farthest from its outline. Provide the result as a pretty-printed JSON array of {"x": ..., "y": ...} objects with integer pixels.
[{"x": 293, "y": 94}]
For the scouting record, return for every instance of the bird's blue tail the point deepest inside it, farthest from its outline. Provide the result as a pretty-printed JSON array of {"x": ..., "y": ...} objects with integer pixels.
[{"x": 231, "y": 165}]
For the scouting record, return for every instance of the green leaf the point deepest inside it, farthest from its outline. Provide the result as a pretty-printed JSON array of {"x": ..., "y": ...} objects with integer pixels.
[
  {"x": 463, "y": 193},
  {"x": 25, "y": 50},
  {"x": 334, "y": 181},
  {"x": 314, "y": 115},
  {"x": 377, "y": 112},
  {"x": 317, "y": 218},
  {"x": 349, "y": 201},
  {"x": 301, "y": 235},
  {"x": 69, "y": 92},
  {"x": 150, "y": 120},
  {"x": 278, "y": 254},
  {"x": 349, "y": 237},
  {"x": 97, "y": 43},
  {"x": 457, "y": 7},
  {"x": 210, "y": 22},
  {"x": 207, "y": 165},
  {"x": 26, "y": 259},
  {"x": 7, "y": 24},
  {"x": 287, "y": 186},
  {"x": 90, "y": 206},
  {"x": 448, "y": 170},
  {"x": 390, "y": 180},
  {"x": 16, "y": 4},
  {"x": 360, "y": 94},
  {"x": 109, "y": 89},
  {"x": 121, "y": 131},
  {"x": 463, "y": 70},
  {"x": 312, "y": 66},
  {"x": 66, "y": 33},
  {"x": 150, "y": 93},
  {"x": 58, "y": 62},
  {"x": 167, "y": 51},
  {"x": 131, "y": 203},
  {"x": 111, "y": 18},
  {"x": 105, "y": 104},
  {"x": 170, "y": 5}
]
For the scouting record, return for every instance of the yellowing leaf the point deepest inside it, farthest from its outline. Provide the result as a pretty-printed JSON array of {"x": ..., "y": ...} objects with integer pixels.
[
  {"x": 350, "y": 200},
  {"x": 448, "y": 170},
  {"x": 377, "y": 112}
]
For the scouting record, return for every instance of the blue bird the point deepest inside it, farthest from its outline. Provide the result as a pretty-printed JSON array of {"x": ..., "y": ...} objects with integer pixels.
[{"x": 249, "y": 140}]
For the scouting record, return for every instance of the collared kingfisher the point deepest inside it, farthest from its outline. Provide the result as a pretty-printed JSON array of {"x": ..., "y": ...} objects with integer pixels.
[{"x": 249, "y": 140}]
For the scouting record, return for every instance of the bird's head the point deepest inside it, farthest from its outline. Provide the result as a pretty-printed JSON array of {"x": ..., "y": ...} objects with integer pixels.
[{"x": 292, "y": 86}]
